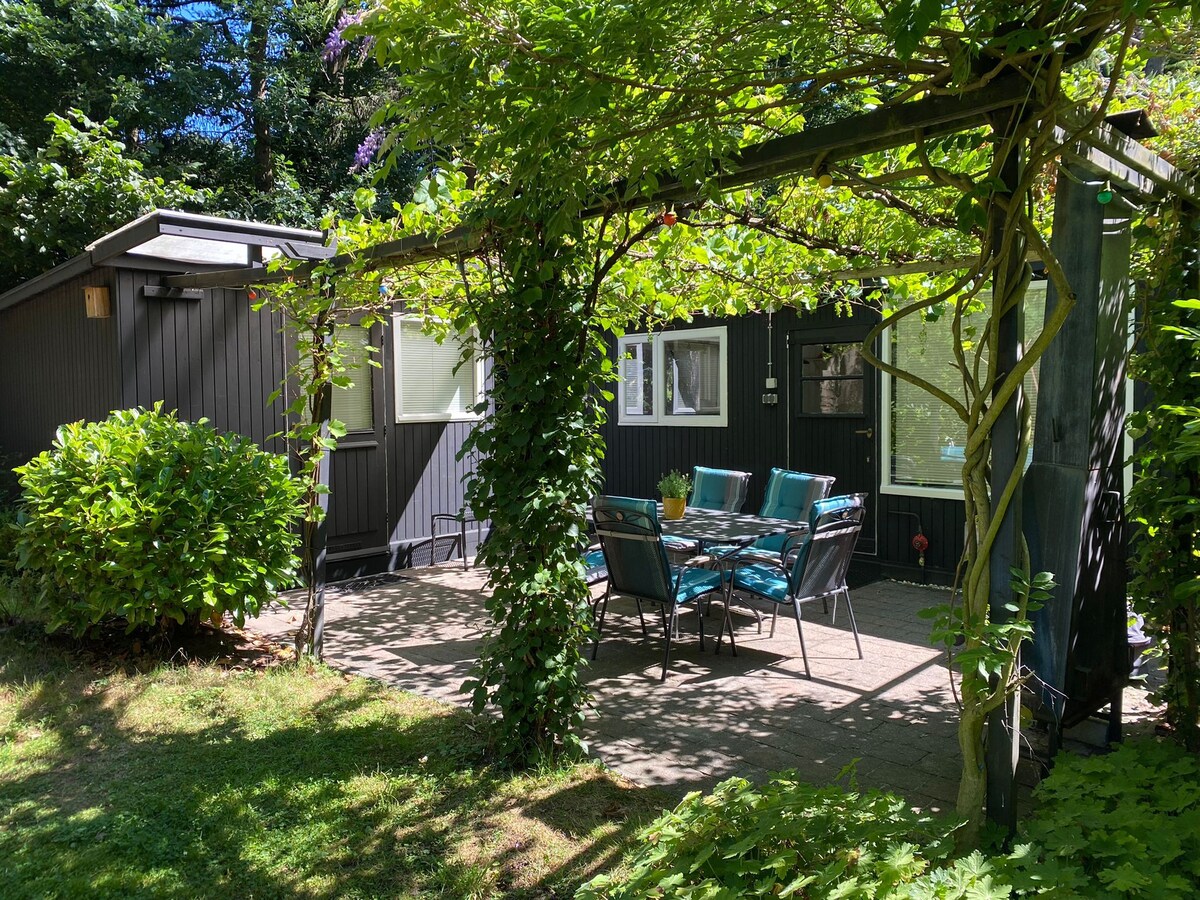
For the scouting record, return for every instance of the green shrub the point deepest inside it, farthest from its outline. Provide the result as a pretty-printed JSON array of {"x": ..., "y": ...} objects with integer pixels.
[
  {"x": 1123, "y": 824},
  {"x": 788, "y": 839},
  {"x": 143, "y": 517}
]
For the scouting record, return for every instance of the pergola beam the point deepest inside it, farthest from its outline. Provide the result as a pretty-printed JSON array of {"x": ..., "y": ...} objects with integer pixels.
[{"x": 1127, "y": 164}]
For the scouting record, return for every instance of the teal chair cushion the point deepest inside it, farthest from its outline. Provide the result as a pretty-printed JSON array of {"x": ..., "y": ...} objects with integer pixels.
[
  {"x": 790, "y": 495},
  {"x": 765, "y": 581},
  {"x": 695, "y": 583},
  {"x": 722, "y": 489}
]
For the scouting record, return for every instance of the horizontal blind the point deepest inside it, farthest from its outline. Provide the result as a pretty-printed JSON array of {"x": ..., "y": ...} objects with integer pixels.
[
  {"x": 354, "y": 406},
  {"x": 637, "y": 377},
  {"x": 429, "y": 386},
  {"x": 928, "y": 438}
]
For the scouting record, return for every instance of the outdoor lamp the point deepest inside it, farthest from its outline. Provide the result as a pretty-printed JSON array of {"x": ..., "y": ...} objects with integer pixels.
[{"x": 1105, "y": 194}]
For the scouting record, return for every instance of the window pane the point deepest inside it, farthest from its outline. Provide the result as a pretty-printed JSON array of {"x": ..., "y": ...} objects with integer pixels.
[
  {"x": 637, "y": 378},
  {"x": 831, "y": 379},
  {"x": 692, "y": 386},
  {"x": 832, "y": 396},
  {"x": 428, "y": 384},
  {"x": 928, "y": 439},
  {"x": 825, "y": 360},
  {"x": 355, "y": 406}
]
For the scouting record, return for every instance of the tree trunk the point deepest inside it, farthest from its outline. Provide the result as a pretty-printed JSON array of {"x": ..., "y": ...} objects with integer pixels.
[{"x": 256, "y": 52}]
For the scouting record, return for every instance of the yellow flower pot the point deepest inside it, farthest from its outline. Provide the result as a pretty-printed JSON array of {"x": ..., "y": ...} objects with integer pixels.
[{"x": 673, "y": 507}]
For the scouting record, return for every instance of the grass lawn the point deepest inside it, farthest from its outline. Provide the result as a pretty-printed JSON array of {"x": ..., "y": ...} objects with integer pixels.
[{"x": 199, "y": 781}]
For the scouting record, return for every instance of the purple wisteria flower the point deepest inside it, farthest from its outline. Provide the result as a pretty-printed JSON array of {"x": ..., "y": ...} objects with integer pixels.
[
  {"x": 367, "y": 150},
  {"x": 336, "y": 43}
]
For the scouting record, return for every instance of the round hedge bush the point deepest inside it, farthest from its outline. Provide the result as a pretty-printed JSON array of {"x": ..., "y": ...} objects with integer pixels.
[{"x": 145, "y": 518}]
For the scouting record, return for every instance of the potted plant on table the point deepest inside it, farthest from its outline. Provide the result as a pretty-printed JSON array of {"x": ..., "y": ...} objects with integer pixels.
[{"x": 674, "y": 487}]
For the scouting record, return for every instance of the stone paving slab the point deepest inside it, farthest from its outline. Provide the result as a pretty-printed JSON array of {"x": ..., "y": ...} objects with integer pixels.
[{"x": 716, "y": 715}]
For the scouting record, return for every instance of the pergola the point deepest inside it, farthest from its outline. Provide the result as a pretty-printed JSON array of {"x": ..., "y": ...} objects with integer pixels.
[{"x": 1079, "y": 647}]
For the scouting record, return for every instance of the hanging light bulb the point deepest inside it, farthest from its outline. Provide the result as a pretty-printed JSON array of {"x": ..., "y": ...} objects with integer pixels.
[
  {"x": 1105, "y": 194},
  {"x": 824, "y": 178}
]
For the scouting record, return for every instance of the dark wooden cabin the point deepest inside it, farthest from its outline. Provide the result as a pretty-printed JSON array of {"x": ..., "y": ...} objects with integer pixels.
[{"x": 100, "y": 332}]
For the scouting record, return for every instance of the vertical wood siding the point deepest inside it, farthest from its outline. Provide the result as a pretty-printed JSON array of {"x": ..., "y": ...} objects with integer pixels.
[
  {"x": 56, "y": 365},
  {"x": 214, "y": 358}
]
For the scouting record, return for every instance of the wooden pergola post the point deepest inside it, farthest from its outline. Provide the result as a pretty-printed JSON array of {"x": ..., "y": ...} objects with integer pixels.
[{"x": 1003, "y": 726}]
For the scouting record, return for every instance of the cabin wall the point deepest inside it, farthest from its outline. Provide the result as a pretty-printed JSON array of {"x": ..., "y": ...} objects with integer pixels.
[
  {"x": 756, "y": 439},
  {"x": 56, "y": 365},
  {"x": 217, "y": 358},
  {"x": 213, "y": 358}
]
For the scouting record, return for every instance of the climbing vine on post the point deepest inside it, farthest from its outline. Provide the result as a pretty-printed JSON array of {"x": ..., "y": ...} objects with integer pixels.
[
  {"x": 539, "y": 455},
  {"x": 312, "y": 298}
]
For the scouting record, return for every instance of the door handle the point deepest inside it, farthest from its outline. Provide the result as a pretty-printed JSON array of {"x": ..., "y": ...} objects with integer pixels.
[{"x": 869, "y": 432}]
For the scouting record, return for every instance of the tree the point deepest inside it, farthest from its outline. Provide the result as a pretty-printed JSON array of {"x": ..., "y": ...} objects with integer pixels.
[
  {"x": 235, "y": 90},
  {"x": 77, "y": 187}
]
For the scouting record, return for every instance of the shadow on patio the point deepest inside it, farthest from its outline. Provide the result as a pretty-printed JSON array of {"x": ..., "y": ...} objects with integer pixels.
[{"x": 716, "y": 715}]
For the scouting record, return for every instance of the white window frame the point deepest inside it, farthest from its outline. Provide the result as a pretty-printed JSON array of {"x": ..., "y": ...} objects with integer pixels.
[
  {"x": 451, "y": 343},
  {"x": 658, "y": 342}
]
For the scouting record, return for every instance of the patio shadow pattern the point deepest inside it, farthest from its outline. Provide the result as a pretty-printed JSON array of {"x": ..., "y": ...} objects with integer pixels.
[{"x": 716, "y": 716}]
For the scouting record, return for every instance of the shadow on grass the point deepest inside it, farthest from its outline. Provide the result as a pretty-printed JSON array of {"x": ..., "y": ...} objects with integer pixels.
[{"x": 191, "y": 781}]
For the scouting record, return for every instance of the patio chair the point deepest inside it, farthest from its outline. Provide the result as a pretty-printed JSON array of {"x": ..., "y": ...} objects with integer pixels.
[
  {"x": 638, "y": 568},
  {"x": 810, "y": 566},
  {"x": 789, "y": 495},
  {"x": 723, "y": 489}
]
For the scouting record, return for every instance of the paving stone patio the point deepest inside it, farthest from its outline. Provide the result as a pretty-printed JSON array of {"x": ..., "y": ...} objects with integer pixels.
[{"x": 716, "y": 715}]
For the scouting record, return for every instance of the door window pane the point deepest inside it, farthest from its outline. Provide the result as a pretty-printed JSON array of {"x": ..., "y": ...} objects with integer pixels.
[
  {"x": 354, "y": 406},
  {"x": 832, "y": 396},
  {"x": 831, "y": 379}
]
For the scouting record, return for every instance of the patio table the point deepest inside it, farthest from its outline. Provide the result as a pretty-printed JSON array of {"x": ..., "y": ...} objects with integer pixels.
[{"x": 711, "y": 527}]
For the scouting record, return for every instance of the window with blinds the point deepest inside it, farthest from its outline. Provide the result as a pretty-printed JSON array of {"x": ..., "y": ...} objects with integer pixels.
[
  {"x": 430, "y": 383},
  {"x": 675, "y": 377},
  {"x": 927, "y": 439},
  {"x": 354, "y": 406}
]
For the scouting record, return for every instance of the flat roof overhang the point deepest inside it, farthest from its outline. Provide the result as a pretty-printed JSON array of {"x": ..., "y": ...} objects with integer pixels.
[{"x": 182, "y": 238}]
